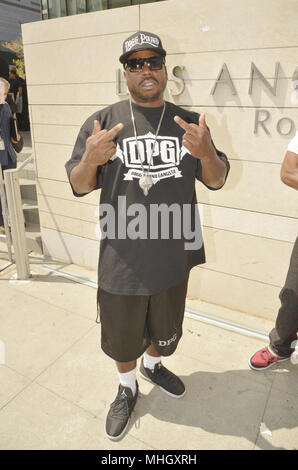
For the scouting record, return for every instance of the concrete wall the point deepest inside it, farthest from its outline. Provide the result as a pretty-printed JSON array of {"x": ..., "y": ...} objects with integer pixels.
[{"x": 250, "y": 225}]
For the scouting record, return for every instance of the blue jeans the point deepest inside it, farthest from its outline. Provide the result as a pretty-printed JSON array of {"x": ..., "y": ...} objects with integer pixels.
[{"x": 10, "y": 165}]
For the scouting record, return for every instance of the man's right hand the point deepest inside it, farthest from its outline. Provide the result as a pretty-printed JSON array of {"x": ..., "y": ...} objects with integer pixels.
[{"x": 100, "y": 146}]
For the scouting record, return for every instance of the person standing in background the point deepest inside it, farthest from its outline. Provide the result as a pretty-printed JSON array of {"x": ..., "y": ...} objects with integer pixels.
[
  {"x": 18, "y": 87},
  {"x": 284, "y": 334},
  {"x": 8, "y": 157}
]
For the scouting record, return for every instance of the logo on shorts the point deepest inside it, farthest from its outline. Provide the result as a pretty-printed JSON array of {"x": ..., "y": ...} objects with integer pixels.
[{"x": 169, "y": 341}]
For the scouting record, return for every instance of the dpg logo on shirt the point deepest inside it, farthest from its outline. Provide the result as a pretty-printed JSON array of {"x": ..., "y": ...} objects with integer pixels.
[{"x": 166, "y": 156}]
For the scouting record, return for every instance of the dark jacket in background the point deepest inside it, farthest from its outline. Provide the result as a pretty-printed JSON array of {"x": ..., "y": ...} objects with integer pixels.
[
  {"x": 7, "y": 130},
  {"x": 4, "y": 68}
]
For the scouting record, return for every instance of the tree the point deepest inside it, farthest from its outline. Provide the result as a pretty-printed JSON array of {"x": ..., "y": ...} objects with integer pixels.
[{"x": 17, "y": 47}]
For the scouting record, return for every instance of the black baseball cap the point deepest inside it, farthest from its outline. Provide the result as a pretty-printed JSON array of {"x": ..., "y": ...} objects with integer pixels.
[{"x": 140, "y": 41}]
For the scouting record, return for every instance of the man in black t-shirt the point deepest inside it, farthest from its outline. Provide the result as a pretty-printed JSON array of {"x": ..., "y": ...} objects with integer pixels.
[{"x": 146, "y": 155}]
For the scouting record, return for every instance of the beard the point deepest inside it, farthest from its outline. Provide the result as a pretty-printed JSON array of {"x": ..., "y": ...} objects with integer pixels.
[{"x": 145, "y": 96}]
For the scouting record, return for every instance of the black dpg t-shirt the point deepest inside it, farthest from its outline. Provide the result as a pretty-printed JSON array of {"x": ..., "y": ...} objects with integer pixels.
[{"x": 153, "y": 257}]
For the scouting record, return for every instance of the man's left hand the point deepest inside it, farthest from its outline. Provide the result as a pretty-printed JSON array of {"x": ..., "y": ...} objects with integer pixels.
[{"x": 197, "y": 138}]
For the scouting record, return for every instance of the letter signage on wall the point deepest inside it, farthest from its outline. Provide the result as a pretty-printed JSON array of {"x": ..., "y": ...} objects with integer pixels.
[{"x": 284, "y": 126}]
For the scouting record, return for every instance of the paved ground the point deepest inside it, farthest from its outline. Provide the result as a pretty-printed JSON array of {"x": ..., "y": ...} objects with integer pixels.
[{"x": 57, "y": 384}]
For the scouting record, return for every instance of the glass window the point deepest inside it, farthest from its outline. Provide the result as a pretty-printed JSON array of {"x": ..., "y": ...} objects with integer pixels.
[
  {"x": 81, "y": 6},
  {"x": 56, "y": 8},
  {"x": 75, "y": 7},
  {"x": 119, "y": 3},
  {"x": 71, "y": 7},
  {"x": 137, "y": 2},
  {"x": 44, "y": 9},
  {"x": 63, "y": 8},
  {"x": 96, "y": 5}
]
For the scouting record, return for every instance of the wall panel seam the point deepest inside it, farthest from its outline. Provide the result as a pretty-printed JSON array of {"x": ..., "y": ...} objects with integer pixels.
[
  {"x": 68, "y": 217},
  {"x": 76, "y": 38},
  {"x": 246, "y": 234},
  {"x": 72, "y": 234},
  {"x": 240, "y": 277},
  {"x": 252, "y": 49},
  {"x": 56, "y": 125},
  {"x": 215, "y": 227},
  {"x": 77, "y": 200},
  {"x": 95, "y": 204},
  {"x": 186, "y": 80},
  {"x": 208, "y": 51},
  {"x": 54, "y": 143},
  {"x": 75, "y": 83},
  {"x": 181, "y": 105},
  {"x": 247, "y": 210}
]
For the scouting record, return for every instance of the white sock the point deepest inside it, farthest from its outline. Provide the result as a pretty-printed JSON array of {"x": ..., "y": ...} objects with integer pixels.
[
  {"x": 150, "y": 361},
  {"x": 128, "y": 379}
]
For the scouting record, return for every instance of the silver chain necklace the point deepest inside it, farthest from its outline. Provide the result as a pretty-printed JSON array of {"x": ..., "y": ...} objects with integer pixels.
[{"x": 146, "y": 181}]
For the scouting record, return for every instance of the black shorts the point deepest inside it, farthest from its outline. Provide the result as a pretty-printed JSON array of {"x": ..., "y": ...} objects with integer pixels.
[{"x": 130, "y": 323}]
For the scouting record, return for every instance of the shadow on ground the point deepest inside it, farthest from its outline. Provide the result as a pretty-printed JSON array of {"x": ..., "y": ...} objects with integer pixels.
[{"x": 224, "y": 403}]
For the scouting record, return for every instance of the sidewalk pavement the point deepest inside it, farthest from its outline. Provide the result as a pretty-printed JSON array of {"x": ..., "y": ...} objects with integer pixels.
[{"x": 57, "y": 384}]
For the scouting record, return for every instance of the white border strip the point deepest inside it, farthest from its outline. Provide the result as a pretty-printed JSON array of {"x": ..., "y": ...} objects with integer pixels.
[
  {"x": 209, "y": 319},
  {"x": 215, "y": 321},
  {"x": 72, "y": 277}
]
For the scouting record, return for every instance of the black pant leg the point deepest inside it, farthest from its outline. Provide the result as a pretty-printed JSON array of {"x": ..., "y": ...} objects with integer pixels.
[{"x": 286, "y": 327}]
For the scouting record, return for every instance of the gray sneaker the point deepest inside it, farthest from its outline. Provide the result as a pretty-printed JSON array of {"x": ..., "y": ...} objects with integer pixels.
[
  {"x": 165, "y": 379},
  {"x": 120, "y": 411}
]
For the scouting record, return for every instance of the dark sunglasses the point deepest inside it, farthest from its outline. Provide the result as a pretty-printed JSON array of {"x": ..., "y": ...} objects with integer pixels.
[{"x": 137, "y": 65}]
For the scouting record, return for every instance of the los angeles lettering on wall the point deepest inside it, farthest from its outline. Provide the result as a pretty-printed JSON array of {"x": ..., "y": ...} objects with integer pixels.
[{"x": 284, "y": 125}]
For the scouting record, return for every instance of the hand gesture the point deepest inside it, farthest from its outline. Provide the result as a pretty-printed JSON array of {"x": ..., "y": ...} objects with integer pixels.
[
  {"x": 197, "y": 137},
  {"x": 100, "y": 146}
]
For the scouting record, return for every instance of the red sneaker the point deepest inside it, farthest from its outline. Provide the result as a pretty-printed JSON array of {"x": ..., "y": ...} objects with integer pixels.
[{"x": 263, "y": 359}]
